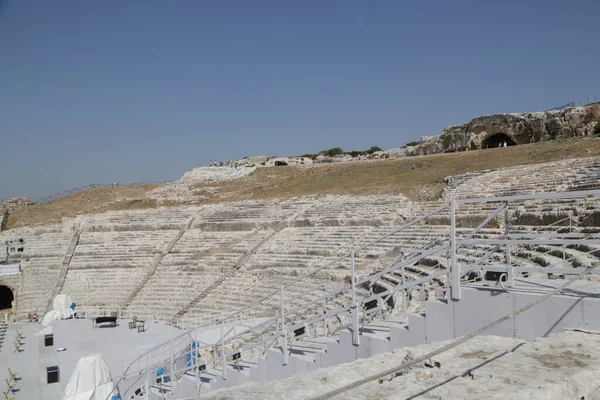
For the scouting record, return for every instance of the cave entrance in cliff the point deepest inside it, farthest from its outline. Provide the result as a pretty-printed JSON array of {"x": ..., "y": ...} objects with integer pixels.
[
  {"x": 498, "y": 140},
  {"x": 6, "y": 297}
]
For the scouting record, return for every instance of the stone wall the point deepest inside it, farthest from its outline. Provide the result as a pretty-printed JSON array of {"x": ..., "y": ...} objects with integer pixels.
[
  {"x": 15, "y": 203},
  {"x": 10, "y": 205},
  {"x": 523, "y": 128}
]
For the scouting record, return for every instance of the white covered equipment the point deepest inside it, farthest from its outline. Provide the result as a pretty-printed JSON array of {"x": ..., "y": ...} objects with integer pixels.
[
  {"x": 91, "y": 380},
  {"x": 61, "y": 309}
]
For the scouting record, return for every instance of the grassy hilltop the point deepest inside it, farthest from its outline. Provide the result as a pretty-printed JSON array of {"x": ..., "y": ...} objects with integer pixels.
[{"x": 418, "y": 178}]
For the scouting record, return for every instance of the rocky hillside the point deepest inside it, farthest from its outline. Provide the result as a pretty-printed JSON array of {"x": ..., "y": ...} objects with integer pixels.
[{"x": 493, "y": 130}]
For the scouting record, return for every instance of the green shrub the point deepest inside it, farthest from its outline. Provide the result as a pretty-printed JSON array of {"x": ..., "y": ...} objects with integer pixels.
[
  {"x": 446, "y": 140},
  {"x": 312, "y": 156},
  {"x": 597, "y": 129},
  {"x": 373, "y": 149},
  {"x": 414, "y": 143},
  {"x": 336, "y": 151}
]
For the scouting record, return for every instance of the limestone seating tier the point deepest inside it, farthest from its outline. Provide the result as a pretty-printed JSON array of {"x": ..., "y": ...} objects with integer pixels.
[
  {"x": 44, "y": 250},
  {"x": 564, "y": 175},
  {"x": 99, "y": 286},
  {"x": 242, "y": 290},
  {"x": 119, "y": 249},
  {"x": 37, "y": 285},
  {"x": 40, "y": 242},
  {"x": 141, "y": 220},
  {"x": 358, "y": 210},
  {"x": 172, "y": 287},
  {"x": 244, "y": 216},
  {"x": 197, "y": 241},
  {"x": 310, "y": 245},
  {"x": 197, "y": 259},
  {"x": 529, "y": 213},
  {"x": 116, "y": 249}
]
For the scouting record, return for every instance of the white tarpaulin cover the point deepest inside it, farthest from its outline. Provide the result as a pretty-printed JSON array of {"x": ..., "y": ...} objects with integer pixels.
[
  {"x": 62, "y": 304},
  {"x": 61, "y": 309},
  {"x": 90, "y": 380},
  {"x": 50, "y": 317}
]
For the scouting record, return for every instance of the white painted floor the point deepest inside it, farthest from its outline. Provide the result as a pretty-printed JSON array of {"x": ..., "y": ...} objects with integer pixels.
[
  {"x": 79, "y": 338},
  {"x": 118, "y": 345}
]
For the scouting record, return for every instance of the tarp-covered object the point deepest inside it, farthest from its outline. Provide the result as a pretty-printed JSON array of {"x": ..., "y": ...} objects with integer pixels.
[
  {"x": 50, "y": 317},
  {"x": 90, "y": 380},
  {"x": 62, "y": 304},
  {"x": 61, "y": 309}
]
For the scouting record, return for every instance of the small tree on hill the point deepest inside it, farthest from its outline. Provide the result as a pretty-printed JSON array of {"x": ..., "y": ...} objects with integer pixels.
[
  {"x": 373, "y": 149},
  {"x": 336, "y": 151}
]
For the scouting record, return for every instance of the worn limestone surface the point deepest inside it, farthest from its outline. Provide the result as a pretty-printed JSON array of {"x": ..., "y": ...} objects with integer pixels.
[
  {"x": 562, "y": 366},
  {"x": 521, "y": 128},
  {"x": 180, "y": 190}
]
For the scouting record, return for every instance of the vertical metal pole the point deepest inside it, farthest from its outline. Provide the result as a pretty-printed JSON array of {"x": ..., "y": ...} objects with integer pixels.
[
  {"x": 570, "y": 225},
  {"x": 147, "y": 391},
  {"x": 277, "y": 332},
  {"x": 324, "y": 311},
  {"x": 197, "y": 361},
  {"x": 223, "y": 350},
  {"x": 354, "y": 308},
  {"x": 173, "y": 380},
  {"x": 284, "y": 349},
  {"x": 404, "y": 296},
  {"x": 510, "y": 276},
  {"x": 454, "y": 270}
]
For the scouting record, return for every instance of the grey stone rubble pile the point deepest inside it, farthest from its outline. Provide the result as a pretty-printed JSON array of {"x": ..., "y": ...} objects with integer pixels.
[{"x": 521, "y": 128}]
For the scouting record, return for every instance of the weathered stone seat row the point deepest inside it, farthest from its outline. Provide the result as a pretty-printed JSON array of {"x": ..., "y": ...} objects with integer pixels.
[
  {"x": 564, "y": 175},
  {"x": 239, "y": 291},
  {"x": 101, "y": 286},
  {"x": 118, "y": 252},
  {"x": 37, "y": 285},
  {"x": 171, "y": 288}
]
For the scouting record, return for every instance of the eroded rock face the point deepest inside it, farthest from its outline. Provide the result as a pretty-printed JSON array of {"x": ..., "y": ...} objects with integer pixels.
[
  {"x": 493, "y": 130},
  {"x": 16, "y": 203}
]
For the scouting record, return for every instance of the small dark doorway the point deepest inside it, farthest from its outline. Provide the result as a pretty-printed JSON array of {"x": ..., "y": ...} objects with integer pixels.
[
  {"x": 498, "y": 140},
  {"x": 6, "y": 297}
]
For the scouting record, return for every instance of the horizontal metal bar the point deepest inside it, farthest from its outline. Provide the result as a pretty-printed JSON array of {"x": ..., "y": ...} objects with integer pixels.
[
  {"x": 539, "y": 196},
  {"x": 553, "y": 270},
  {"x": 538, "y": 270},
  {"x": 490, "y": 242},
  {"x": 555, "y": 235}
]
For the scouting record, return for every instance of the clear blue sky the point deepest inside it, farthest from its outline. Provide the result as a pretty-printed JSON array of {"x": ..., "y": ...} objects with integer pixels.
[{"x": 103, "y": 91}]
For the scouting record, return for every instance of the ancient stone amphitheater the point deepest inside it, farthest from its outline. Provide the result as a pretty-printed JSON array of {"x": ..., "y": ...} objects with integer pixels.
[
  {"x": 183, "y": 262},
  {"x": 186, "y": 266}
]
